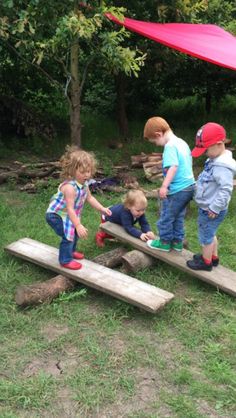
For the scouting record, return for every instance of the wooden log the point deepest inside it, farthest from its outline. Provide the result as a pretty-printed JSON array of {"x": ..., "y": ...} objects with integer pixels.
[
  {"x": 42, "y": 292},
  {"x": 150, "y": 176},
  {"x": 45, "y": 292},
  {"x": 111, "y": 259},
  {"x": 156, "y": 164},
  {"x": 22, "y": 172},
  {"x": 138, "y": 160},
  {"x": 112, "y": 282},
  {"x": 136, "y": 260}
]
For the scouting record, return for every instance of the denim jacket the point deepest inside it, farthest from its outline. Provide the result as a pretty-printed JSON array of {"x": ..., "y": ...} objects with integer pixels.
[{"x": 215, "y": 183}]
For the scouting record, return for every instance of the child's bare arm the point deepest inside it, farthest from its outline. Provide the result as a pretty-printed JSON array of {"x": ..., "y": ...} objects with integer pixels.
[
  {"x": 145, "y": 236},
  {"x": 96, "y": 205},
  {"x": 167, "y": 180},
  {"x": 69, "y": 195}
]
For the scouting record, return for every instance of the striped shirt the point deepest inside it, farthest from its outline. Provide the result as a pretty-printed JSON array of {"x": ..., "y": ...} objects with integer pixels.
[{"x": 58, "y": 205}]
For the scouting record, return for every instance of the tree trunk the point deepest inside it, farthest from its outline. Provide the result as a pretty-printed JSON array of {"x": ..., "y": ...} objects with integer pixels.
[
  {"x": 121, "y": 106},
  {"x": 136, "y": 260},
  {"x": 208, "y": 98},
  {"x": 75, "y": 122}
]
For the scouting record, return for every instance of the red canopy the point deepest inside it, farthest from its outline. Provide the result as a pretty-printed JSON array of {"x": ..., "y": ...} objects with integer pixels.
[{"x": 207, "y": 42}]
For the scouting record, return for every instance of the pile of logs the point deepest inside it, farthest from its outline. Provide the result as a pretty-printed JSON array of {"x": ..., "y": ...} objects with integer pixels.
[
  {"x": 19, "y": 171},
  {"x": 151, "y": 163}
]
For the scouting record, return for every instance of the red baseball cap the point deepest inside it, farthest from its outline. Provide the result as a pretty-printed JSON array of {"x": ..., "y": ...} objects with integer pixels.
[{"x": 208, "y": 135}]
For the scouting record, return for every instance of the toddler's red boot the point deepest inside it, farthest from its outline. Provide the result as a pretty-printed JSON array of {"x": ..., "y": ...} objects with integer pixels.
[
  {"x": 72, "y": 265},
  {"x": 77, "y": 255},
  {"x": 99, "y": 238}
]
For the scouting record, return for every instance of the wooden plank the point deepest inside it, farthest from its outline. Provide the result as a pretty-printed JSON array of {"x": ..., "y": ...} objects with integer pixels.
[
  {"x": 220, "y": 277},
  {"x": 112, "y": 282}
]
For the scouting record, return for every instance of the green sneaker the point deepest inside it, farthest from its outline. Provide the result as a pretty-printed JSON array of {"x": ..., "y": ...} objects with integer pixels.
[
  {"x": 177, "y": 246},
  {"x": 156, "y": 244}
]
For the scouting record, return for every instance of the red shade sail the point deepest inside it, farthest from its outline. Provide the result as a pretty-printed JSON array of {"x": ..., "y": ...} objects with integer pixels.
[{"x": 207, "y": 42}]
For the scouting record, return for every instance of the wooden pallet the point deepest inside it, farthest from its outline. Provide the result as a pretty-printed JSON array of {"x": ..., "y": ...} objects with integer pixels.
[
  {"x": 220, "y": 277},
  {"x": 112, "y": 282}
]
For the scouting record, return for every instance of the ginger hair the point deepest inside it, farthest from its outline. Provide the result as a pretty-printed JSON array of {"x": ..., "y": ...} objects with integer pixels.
[
  {"x": 155, "y": 124},
  {"x": 134, "y": 196},
  {"x": 74, "y": 159}
]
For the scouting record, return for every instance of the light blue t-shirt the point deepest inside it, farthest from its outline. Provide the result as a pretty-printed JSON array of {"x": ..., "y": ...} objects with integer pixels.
[{"x": 177, "y": 152}]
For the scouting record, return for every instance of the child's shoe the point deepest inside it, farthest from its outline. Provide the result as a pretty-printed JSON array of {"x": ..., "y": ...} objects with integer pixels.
[
  {"x": 214, "y": 262},
  {"x": 157, "y": 244},
  {"x": 100, "y": 237},
  {"x": 72, "y": 265},
  {"x": 199, "y": 264},
  {"x": 77, "y": 255},
  {"x": 177, "y": 245}
]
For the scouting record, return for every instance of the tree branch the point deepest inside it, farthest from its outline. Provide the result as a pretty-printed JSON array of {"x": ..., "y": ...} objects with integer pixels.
[{"x": 40, "y": 69}]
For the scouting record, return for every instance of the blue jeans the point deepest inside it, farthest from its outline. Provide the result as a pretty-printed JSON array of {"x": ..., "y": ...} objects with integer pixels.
[
  {"x": 66, "y": 247},
  {"x": 207, "y": 227},
  {"x": 173, "y": 209}
]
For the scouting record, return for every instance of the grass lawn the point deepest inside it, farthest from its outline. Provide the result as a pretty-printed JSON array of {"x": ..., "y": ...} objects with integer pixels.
[{"x": 89, "y": 355}]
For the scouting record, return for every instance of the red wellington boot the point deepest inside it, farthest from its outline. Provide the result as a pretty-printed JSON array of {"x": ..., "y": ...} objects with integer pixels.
[
  {"x": 72, "y": 265},
  {"x": 77, "y": 255},
  {"x": 100, "y": 237}
]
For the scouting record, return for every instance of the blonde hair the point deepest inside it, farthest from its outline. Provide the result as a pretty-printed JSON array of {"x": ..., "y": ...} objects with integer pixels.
[
  {"x": 74, "y": 159},
  {"x": 134, "y": 196},
  {"x": 153, "y": 125}
]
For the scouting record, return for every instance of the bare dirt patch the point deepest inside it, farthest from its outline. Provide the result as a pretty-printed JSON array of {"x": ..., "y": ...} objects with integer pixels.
[{"x": 51, "y": 332}]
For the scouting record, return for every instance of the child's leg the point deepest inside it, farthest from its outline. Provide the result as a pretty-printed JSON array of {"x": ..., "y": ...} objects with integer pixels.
[
  {"x": 65, "y": 251},
  {"x": 101, "y": 235},
  {"x": 165, "y": 222},
  {"x": 77, "y": 255},
  {"x": 180, "y": 202},
  {"x": 207, "y": 228},
  {"x": 66, "y": 246},
  {"x": 165, "y": 228},
  {"x": 215, "y": 248},
  {"x": 210, "y": 250}
]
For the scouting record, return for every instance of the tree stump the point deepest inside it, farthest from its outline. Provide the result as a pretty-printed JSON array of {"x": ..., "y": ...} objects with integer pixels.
[{"x": 136, "y": 260}]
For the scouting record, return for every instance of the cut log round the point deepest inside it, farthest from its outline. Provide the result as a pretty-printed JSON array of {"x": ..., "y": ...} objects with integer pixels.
[
  {"x": 42, "y": 292},
  {"x": 111, "y": 258},
  {"x": 136, "y": 260}
]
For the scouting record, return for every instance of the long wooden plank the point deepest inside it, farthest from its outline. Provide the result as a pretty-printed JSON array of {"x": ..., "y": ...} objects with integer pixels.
[
  {"x": 112, "y": 282},
  {"x": 220, "y": 277}
]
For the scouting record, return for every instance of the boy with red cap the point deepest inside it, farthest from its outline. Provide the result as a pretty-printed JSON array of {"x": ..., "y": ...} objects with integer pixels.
[{"x": 213, "y": 192}]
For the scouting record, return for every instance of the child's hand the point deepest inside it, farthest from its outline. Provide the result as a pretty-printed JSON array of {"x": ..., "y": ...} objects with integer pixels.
[
  {"x": 163, "y": 191},
  {"x": 82, "y": 231},
  {"x": 150, "y": 235},
  {"x": 144, "y": 237},
  {"x": 211, "y": 214},
  {"x": 107, "y": 211}
]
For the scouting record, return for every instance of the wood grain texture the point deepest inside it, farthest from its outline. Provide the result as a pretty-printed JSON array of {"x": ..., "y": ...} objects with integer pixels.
[
  {"x": 109, "y": 281},
  {"x": 220, "y": 277}
]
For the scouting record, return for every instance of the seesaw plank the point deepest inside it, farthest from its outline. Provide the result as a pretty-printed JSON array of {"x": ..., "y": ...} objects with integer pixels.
[
  {"x": 220, "y": 277},
  {"x": 109, "y": 281}
]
